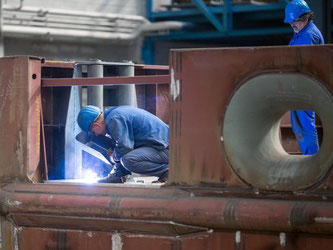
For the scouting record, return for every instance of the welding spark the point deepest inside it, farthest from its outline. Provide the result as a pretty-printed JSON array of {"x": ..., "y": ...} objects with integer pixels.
[{"x": 89, "y": 176}]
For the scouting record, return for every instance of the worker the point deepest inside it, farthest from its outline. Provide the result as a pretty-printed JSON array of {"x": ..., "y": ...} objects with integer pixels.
[
  {"x": 141, "y": 140},
  {"x": 299, "y": 16}
]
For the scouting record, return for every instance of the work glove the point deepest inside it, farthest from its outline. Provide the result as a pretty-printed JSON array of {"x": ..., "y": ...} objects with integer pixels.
[{"x": 113, "y": 159}]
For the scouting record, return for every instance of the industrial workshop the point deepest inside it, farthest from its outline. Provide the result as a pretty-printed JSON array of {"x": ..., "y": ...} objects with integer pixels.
[{"x": 166, "y": 125}]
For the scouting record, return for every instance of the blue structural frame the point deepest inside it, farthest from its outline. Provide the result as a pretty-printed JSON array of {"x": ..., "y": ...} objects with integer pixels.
[
  {"x": 220, "y": 17},
  {"x": 216, "y": 22}
]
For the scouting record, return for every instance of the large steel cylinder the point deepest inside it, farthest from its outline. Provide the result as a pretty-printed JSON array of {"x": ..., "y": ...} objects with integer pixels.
[{"x": 251, "y": 131}]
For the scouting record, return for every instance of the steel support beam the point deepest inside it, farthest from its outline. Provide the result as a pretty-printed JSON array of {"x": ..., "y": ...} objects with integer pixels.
[
  {"x": 227, "y": 15},
  {"x": 208, "y": 14},
  {"x": 138, "y": 80}
]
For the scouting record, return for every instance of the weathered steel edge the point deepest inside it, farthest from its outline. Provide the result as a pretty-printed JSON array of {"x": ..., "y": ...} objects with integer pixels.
[
  {"x": 154, "y": 210},
  {"x": 149, "y": 79}
]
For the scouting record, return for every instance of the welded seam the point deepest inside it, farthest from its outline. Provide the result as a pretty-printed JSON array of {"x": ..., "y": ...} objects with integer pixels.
[
  {"x": 229, "y": 212},
  {"x": 114, "y": 205},
  {"x": 297, "y": 216}
]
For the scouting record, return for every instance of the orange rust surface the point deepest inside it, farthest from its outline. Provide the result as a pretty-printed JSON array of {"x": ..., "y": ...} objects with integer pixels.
[
  {"x": 19, "y": 118},
  {"x": 205, "y": 81},
  {"x": 40, "y": 239}
]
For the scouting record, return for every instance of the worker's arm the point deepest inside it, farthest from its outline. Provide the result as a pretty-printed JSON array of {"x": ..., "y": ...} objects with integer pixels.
[{"x": 121, "y": 132}]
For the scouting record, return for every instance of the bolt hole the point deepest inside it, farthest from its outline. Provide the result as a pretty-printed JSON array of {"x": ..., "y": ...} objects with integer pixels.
[{"x": 34, "y": 76}]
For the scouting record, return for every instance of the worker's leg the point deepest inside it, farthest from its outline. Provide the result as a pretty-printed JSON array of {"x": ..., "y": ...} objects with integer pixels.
[
  {"x": 308, "y": 143},
  {"x": 147, "y": 161},
  {"x": 303, "y": 125}
]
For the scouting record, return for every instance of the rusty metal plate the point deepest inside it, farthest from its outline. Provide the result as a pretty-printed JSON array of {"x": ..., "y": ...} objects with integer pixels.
[
  {"x": 19, "y": 117},
  {"x": 202, "y": 85},
  {"x": 159, "y": 211},
  {"x": 34, "y": 122},
  {"x": 52, "y": 239}
]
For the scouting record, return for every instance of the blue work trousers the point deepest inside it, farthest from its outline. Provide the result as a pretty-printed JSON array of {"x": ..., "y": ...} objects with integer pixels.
[
  {"x": 147, "y": 161},
  {"x": 304, "y": 128}
]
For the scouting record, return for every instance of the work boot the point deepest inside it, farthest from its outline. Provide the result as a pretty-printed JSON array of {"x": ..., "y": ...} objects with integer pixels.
[
  {"x": 118, "y": 176},
  {"x": 164, "y": 177}
]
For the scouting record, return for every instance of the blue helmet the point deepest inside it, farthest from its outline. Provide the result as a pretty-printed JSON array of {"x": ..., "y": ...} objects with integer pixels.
[
  {"x": 86, "y": 117},
  {"x": 295, "y": 9}
]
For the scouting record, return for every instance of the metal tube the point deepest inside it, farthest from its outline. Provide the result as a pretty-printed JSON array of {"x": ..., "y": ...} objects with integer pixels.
[
  {"x": 95, "y": 93},
  {"x": 129, "y": 205},
  {"x": 79, "y": 13},
  {"x": 19, "y": 7},
  {"x": 133, "y": 26},
  {"x": 70, "y": 34},
  {"x": 62, "y": 34},
  {"x": 126, "y": 94}
]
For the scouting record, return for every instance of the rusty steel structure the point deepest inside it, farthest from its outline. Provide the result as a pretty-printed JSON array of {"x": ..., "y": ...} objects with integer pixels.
[{"x": 232, "y": 185}]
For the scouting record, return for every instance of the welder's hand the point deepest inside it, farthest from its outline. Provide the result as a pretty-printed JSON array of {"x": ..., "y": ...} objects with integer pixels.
[
  {"x": 110, "y": 151},
  {"x": 113, "y": 159}
]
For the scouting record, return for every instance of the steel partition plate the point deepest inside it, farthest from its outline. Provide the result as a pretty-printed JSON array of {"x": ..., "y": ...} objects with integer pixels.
[
  {"x": 41, "y": 238},
  {"x": 34, "y": 125},
  {"x": 19, "y": 118},
  {"x": 202, "y": 84}
]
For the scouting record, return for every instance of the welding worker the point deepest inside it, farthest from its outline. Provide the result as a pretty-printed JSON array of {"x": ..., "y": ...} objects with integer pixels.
[
  {"x": 299, "y": 16},
  {"x": 141, "y": 140}
]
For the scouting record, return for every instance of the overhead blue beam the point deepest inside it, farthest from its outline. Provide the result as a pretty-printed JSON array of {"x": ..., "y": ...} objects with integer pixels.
[
  {"x": 227, "y": 15},
  {"x": 148, "y": 51},
  {"x": 208, "y": 14},
  {"x": 149, "y": 8}
]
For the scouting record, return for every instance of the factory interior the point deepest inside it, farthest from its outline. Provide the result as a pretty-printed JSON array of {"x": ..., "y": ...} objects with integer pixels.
[{"x": 166, "y": 124}]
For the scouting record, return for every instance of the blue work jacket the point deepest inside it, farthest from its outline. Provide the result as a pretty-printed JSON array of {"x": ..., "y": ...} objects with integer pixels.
[
  {"x": 303, "y": 121},
  {"x": 310, "y": 34},
  {"x": 131, "y": 128}
]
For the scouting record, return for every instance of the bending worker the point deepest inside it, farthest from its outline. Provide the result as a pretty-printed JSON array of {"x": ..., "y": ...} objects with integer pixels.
[
  {"x": 141, "y": 140},
  {"x": 299, "y": 16}
]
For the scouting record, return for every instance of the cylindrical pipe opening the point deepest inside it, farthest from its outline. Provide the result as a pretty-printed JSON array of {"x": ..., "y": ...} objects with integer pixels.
[{"x": 251, "y": 131}]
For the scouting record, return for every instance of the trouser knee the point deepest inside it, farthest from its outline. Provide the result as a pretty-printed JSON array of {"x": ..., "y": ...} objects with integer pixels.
[{"x": 129, "y": 162}]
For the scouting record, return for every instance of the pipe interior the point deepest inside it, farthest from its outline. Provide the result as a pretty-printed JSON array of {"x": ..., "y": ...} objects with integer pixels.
[{"x": 251, "y": 131}]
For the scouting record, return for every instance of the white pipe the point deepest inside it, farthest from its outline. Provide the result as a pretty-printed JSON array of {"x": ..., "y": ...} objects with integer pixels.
[
  {"x": 9, "y": 7},
  {"x": 93, "y": 35},
  {"x": 2, "y": 49},
  {"x": 158, "y": 26},
  {"x": 19, "y": 31},
  {"x": 70, "y": 34},
  {"x": 44, "y": 12}
]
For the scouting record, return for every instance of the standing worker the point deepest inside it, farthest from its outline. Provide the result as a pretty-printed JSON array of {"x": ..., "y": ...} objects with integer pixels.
[
  {"x": 141, "y": 140},
  {"x": 299, "y": 16}
]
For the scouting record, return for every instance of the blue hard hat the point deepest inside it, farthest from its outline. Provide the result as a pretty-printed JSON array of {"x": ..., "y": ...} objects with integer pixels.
[
  {"x": 295, "y": 9},
  {"x": 86, "y": 117}
]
